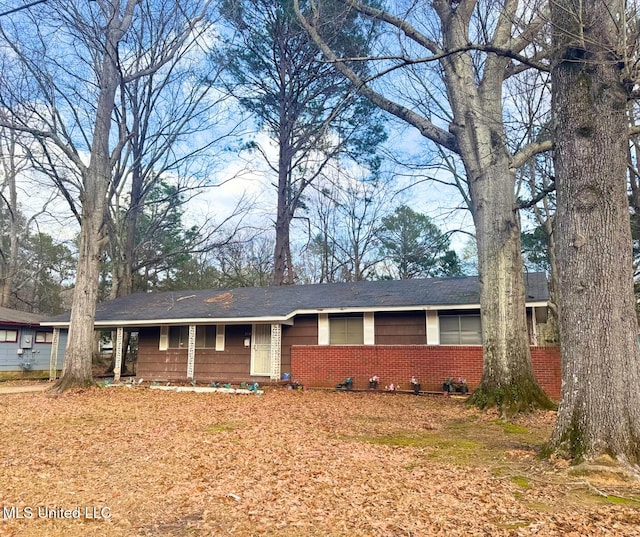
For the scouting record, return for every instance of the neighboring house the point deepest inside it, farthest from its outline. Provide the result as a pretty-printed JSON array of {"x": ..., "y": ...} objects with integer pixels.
[
  {"x": 318, "y": 334},
  {"x": 25, "y": 346}
]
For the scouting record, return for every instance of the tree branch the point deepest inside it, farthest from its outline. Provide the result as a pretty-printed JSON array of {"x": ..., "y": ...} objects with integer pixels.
[
  {"x": 426, "y": 127},
  {"x": 540, "y": 196},
  {"x": 530, "y": 151}
]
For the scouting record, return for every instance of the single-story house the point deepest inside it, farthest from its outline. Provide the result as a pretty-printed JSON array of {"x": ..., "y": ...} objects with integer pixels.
[
  {"x": 25, "y": 346},
  {"x": 318, "y": 334}
]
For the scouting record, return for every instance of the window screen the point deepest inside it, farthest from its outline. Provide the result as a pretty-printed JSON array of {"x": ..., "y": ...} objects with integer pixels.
[
  {"x": 460, "y": 330},
  {"x": 205, "y": 337},
  {"x": 346, "y": 330}
]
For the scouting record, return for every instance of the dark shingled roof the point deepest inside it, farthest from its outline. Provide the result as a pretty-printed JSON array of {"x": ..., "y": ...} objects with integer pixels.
[{"x": 279, "y": 303}]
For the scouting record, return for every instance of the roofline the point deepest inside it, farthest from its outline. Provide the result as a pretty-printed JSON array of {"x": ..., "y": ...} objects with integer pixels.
[{"x": 282, "y": 319}]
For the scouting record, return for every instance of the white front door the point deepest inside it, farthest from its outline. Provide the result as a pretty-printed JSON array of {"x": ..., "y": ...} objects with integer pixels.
[{"x": 261, "y": 349}]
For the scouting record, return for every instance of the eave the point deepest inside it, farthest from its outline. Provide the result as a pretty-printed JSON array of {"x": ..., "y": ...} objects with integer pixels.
[{"x": 275, "y": 319}]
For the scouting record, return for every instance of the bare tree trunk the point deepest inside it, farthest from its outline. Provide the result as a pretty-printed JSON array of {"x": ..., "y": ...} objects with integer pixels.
[
  {"x": 282, "y": 274},
  {"x": 10, "y": 261},
  {"x": 123, "y": 244},
  {"x": 508, "y": 381},
  {"x": 282, "y": 270},
  {"x": 76, "y": 371},
  {"x": 477, "y": 134},
  {"x": 282, "y": 266},
  {"x": 599, "y": 411}
]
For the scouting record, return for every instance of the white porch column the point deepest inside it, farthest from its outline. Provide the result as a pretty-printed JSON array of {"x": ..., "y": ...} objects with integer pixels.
[
  {"x": 117, "y": 368},
  {"x": 276, "y": 351},
  {"x": 53, "y": 359},
  {"x": 191, "y": 353},
  {"x": 433, "y": 328},
  {"x": 323, "y": 329},
  {"x": 369, "y": 330}
]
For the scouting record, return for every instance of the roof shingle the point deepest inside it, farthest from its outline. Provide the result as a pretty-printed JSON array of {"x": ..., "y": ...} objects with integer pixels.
[{"x": 282, "y": 302}]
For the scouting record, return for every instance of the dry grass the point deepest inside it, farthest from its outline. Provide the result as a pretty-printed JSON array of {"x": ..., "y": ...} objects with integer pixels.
[{"x": 290, "y": 463}]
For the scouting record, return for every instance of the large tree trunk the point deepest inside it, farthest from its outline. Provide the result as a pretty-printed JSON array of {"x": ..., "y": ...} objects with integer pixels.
[
  {"x": 508, "y": 381},
  {"x": 282, "y": 270},
  {"x": 599, "y": 412},
  {"x": 477, "y": 134},
  {"x": 76, "y": 371}
]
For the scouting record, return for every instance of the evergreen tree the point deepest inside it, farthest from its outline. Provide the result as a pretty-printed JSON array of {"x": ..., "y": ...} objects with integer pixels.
[
  {"x": 310, "y": 111},
  {"x": 415, "y": 246}
]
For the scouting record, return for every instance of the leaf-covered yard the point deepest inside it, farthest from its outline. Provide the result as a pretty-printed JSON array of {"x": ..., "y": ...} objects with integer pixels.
[{"x": 289, "y": 463}]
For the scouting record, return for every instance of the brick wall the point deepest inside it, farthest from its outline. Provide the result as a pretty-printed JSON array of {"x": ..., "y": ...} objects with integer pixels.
[
  {"x": 546, "y": 366},
  {"x": 326, "y": 366}
]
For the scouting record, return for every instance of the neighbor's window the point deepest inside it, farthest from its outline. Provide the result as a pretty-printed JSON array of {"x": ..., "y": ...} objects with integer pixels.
[
  {"x": 9, "y": 336},
  {"x": 460, "y": 330},
  {"x": 205, "y": 337},
  {"x": 44, "y": 337},
  {"x": 346, "y": 330}
]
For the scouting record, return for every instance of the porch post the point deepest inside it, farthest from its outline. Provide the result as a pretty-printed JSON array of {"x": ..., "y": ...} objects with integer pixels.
[
  {"x": 433, "y": 328},
  {"x": 191, "y": 353},
  {"x": 117, "y": 368},
  {"x": 534, "y": 328},
  {"x": 276, "y": 351},
  {"x": 53, "y": 359}
]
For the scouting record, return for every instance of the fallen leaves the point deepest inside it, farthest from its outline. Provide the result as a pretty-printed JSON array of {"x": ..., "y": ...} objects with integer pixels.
[{"x": 288, "y": 463}]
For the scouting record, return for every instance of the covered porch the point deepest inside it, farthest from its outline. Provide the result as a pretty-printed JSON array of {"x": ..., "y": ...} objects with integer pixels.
[{"x": 206, "y": 352}]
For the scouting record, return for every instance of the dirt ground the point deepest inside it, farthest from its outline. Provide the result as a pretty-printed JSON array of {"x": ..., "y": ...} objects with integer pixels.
[{"x": 140, "y": 462}]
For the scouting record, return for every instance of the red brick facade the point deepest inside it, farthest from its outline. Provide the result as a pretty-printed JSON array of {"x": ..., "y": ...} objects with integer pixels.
[{"x": 326, "y": 366}]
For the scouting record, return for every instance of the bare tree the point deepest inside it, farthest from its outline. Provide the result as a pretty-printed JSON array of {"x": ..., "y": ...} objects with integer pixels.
[
  {"x": 246, "y": 261},
  {"x": 168, "y": 119},
  {"x": 455, "y": 58},
  {"x": 33, "y": 266},
  {"x": 75, "y": 84},
  {"x": 592, "y": 80},
  {"x": 12, "y": 164},
  {"x": 345, "y": 228}
]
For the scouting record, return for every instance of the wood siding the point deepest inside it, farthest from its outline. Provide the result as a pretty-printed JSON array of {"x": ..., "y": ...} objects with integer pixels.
[
  {"x": 401, "y": 328},
  {"x": 154, "y": 364},
  {"x": 303, "y": 332},
  {"x": 231, "y": 365}
]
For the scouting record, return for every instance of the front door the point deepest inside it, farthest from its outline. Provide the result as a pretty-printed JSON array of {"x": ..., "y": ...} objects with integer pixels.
[{"x": 261, "y": 349}]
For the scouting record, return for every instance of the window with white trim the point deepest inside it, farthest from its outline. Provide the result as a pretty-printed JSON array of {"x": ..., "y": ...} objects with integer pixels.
[
  {"x": 346, "y": 330},
  {"x": 460, "y": 329},
  {"x": 205, "y": 337}
]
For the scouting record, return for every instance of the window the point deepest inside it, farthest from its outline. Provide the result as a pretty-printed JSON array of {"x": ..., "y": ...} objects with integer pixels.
[
  {"x": 346, "y": 330},
  {"x": 460, "y": 330},
  {"x": 205, "y": 337},
  {"x": 44, "y": 337},
  {"x": 9, "y": 336},
  {"x": 178, "y": 336}
]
